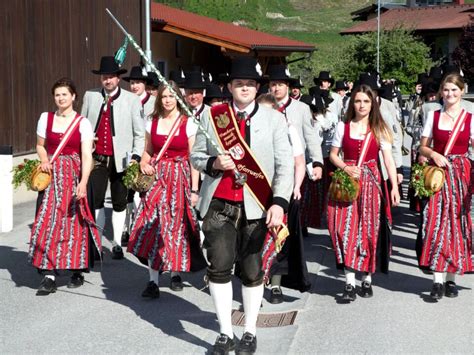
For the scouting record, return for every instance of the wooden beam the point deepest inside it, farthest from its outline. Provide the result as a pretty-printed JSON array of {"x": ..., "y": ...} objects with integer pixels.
[{"x": 207, "y": 39}]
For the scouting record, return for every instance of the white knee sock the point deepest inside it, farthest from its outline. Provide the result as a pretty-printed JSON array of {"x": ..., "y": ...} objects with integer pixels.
[
  {"x": 350, "y": 277},
  {"x": 276, "y": 281},
  {"x": 451, "y": 276},
  {"x": 128, "y": 217},
  {"x": 118, "y": 221},
  {"x": 52, "y": 277},
  {"x": 136, "y": 201},
  {"x": 100, "y": 221},
  {"x": 438, "y": 277},
  {"x": 367, "y": 277},
  {"x": 222, "y": 297},
  {"x": 154, "y": 274},
  {"x": 252, "y": 299}
]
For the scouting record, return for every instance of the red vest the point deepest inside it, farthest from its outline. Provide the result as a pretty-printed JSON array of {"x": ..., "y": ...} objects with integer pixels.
[
  {"x": 179, "y": 145},
  {"x": 104, "y": 144},
  {"x": 352, "y": 147},
  {"x": 53, "y": 139},
  {"x": 228, "y": 189},
  {"x": 441, "y": 137}
]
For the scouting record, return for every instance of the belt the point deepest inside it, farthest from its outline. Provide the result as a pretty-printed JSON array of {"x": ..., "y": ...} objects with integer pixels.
[
  {"x": 101, "y": 158},
  {"x": 229, "y": 202}
]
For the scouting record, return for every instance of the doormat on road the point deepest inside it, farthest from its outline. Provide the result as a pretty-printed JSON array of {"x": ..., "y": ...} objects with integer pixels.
[{"x": 266, "y": 320}]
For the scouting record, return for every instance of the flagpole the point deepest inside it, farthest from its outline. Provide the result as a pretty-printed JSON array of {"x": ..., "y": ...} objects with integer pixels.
[{"x": 378, "y": 36}]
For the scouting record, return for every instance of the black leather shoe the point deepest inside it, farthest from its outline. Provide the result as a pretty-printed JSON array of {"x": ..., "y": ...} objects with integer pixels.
[
  {"x": 276, "y": 295},
  {"x": 437, "y": 291},
  {"x": 151, "y": 290},
  {"x": 176, "y": 284},
  {"x": 117, "y": 252},
  {"x": 223, "y": 345},
  {"x": 46, "y": 287},
  {"x": 349, "y": 293},
  {"x": 366, "y": 290},
  {"x": 77, "y": 280},
  {"x": 125, "y": 238},
  {"x": 247, "y": 345},
  {"x": 450, "y": 289}
]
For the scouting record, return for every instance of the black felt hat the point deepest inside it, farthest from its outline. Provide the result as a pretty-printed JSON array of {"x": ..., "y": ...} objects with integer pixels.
[
  {"x": 194, "y": 80},
  {"x": 213, "y": 91},
  {"x": 154, "y": 79},
  {"x": 297, "y": 83},
  {"x": 430, "y": 86},
  {"x": 324, "y": 76},
  {"x": 222, "y": 79},
  {"x": 279, "y": 72},
  {"x": 421, "y": 78},
  {"x": 138, "y": 73},
  {"x": 386, "y": 91},
  {"x": 226, "y": 93},
  {"x": 436, "y": 73},
  {"x": 369, "y": 80},
  {"x": 108, "y": 65},
  {"x": 177, "y": 76},
  {"x": 341, "y": 85},
  {"x": 245, "y": 68}
]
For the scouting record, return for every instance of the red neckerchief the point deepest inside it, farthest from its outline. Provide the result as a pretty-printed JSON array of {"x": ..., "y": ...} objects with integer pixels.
[
  {"x": 145, "y": 99},
  {"x": 282, "y": 109}
]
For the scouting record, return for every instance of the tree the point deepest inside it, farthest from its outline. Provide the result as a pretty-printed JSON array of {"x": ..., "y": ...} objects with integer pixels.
[
  {"x": 402, "y": 56},
  {"x": 463, "y": 55}
]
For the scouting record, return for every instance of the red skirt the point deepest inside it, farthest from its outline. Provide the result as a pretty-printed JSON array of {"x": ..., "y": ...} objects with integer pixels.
[
  {"x": 166, "y": 225},
  {"x": 354, "y": 227},
  {"x": 446, "y": 232},
  {"x": 60, "y": 233}
]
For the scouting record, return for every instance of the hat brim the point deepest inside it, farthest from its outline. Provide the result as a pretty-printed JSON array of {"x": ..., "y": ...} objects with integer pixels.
[
  {"x": 258, "y": 79},
  {"x": 281, "y": 78},
  {"x": 317, "y": 81},
  {"x": 118, "y": 72},
  {"x": 148, "y": 81},
  {"x": 195, "y": 87}
]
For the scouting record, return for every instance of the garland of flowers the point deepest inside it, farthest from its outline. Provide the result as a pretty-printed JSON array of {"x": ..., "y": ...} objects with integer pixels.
[
  {"x": 22, "y": 173},
  {"x": 344, "y": 182},
  {"x": 417, "y": 181},
  {"x": 131, "y": 174}
]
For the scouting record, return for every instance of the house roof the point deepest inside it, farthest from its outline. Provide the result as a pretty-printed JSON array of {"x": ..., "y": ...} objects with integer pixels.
[
  {"x": 418, "y": 18},
  {"x": 227, "y": 35}
]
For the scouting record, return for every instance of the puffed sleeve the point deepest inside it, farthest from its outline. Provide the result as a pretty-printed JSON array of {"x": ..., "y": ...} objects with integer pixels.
[
  {"x": 191, "y": 128},
  {"x": 42, "y": 124},
  {"x": 148, "y": 126},
  {"x": 338, "y": 135},
  {"x": 85, "y": 128},
  {"x": 428, "y": 127}
]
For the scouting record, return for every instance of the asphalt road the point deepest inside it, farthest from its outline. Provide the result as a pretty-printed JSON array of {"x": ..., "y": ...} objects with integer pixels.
[{"x": 108, "y": 315}]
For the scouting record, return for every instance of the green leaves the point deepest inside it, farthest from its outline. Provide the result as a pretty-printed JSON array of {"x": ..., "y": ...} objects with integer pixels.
[
  {"x": 22, "y": 173},
  {"x": 131, "y": 175},
  {"x": 417, "y": 181}
]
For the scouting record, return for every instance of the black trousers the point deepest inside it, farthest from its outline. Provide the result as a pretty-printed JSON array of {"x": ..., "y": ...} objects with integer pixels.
[
  {"x": 100, "y": 175},
  {"x": 231, "y": 237}
]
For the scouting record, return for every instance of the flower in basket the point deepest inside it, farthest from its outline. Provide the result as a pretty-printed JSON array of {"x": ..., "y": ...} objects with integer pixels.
[
  {"x": 343, "y": 187},
  {"x": 417, "y": 181},
  {"x": 23, "y": 172},
  {"x": 131, "y": 175}
]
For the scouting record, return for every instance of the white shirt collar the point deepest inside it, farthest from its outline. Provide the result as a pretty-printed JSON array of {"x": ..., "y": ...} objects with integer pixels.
[
  {"x": 143, "y": 95},
  {"x": 113, "y": 93},
  {"x": 248, "y": 110},
  {"x": 196, "y": 109}
]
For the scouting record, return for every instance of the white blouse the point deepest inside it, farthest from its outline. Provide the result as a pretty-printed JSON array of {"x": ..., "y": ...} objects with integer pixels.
[
  {"x": 428, "y": 127},
  {"x": 85, "y": 128},
  {"x": 337, "y": 140}
]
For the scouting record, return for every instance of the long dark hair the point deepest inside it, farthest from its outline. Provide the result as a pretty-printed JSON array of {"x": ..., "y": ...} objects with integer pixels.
[
  {"x": 159, "y": 110},
  {"x": 66, "y": 83},
  {"x": 377, "y": 125}
]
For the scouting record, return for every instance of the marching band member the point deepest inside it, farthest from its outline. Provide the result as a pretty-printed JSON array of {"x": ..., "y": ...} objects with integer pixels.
[
  {"x": 138, "y": 79},
  {"x": 117, "y": 116},
  {"x": 299, "y": 116},
  {"x": 64, "y": 234},
  {"x": 446, "y": 232},
  {"x": 235, "y": 220},
  {"x": 165, "y": 233},
  {"x": 354, "y": 226}
]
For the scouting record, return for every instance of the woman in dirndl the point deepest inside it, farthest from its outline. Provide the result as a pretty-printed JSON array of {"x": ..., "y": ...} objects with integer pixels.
[
  {"x": 165, "y": 232},
  {"x": 64, "y": 234},
  {"x": 354, "y": 226},
  {"x": 445, "y": 240}
]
